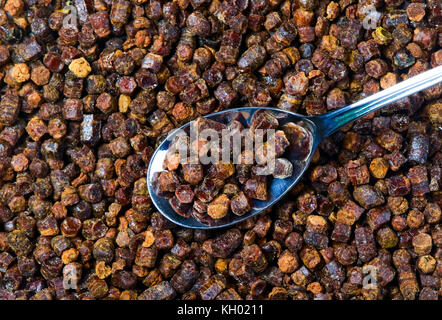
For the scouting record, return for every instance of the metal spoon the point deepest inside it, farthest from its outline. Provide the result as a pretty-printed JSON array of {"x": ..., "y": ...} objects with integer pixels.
[{"x": 319, "y": 128}]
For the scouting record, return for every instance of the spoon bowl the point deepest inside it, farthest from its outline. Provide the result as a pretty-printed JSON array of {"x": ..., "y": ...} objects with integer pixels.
[
  {"x": 317, "y": 127},
  {"x": 276, "y": 188}
]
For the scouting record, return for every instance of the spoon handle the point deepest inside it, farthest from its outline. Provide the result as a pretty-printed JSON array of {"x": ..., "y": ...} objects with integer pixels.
[{"x": 330, "y": 122}]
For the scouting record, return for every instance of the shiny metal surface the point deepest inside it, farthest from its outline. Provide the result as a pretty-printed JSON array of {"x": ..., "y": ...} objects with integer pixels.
[{"x": 319, "y": 128}]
